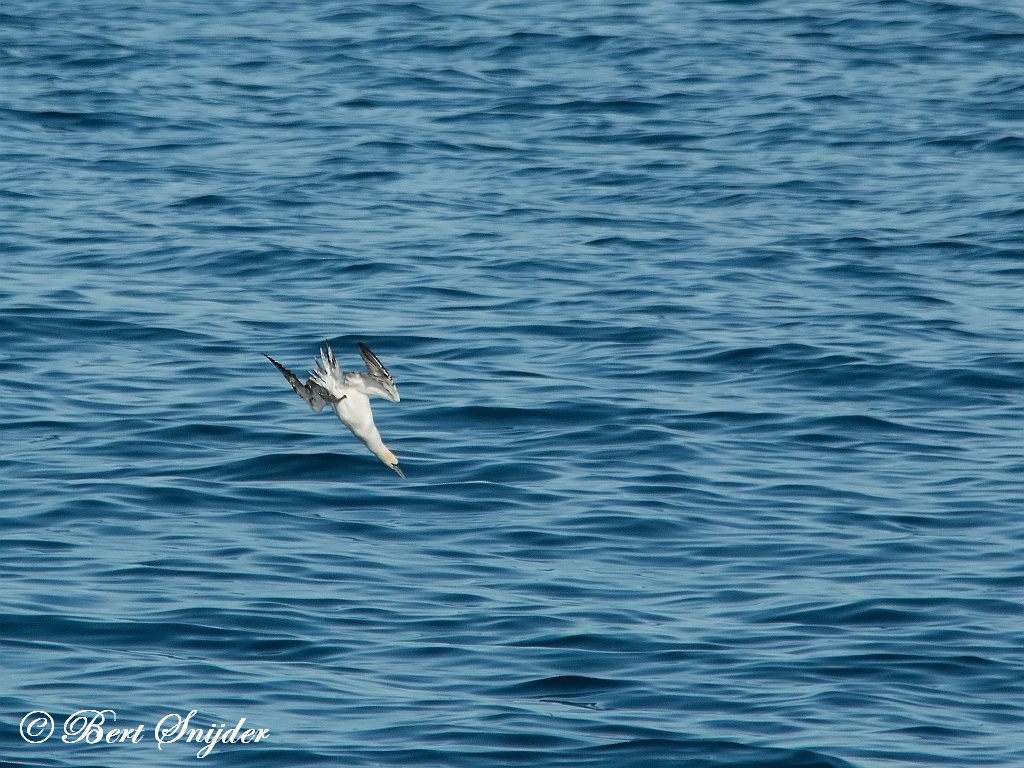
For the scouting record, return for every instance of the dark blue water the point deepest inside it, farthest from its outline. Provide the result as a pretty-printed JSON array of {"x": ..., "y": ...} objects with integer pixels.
[{"x": 707, "y": 320}]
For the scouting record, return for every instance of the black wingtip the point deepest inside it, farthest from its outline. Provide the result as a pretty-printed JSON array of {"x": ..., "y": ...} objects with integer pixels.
[{"x": 284, "y": 371}]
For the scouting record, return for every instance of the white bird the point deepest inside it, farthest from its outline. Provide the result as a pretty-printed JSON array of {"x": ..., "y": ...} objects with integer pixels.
[{"x": 349, "y": 395}]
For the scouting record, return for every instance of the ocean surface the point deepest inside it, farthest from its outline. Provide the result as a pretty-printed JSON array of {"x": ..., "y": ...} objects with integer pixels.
[{"x": 708, "y": 323}]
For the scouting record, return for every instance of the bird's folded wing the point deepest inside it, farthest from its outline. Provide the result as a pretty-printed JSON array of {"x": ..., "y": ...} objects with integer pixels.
[{"x": 374, "y": 366}]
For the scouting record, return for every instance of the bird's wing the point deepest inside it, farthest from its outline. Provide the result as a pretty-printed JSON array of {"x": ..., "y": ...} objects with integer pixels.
[
  {"x": 316, "y": 396},
  {"x": 374, "y": 366}
]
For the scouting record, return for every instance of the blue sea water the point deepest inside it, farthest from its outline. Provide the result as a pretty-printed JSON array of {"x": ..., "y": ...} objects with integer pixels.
[{"x": 707, "y": 320}]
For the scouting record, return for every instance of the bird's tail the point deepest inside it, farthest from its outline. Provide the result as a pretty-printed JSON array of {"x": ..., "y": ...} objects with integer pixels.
[{"x": 328, "y": 371}]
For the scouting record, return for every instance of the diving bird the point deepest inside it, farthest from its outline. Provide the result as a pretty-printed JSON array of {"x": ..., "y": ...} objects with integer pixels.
[{"x": 349, "y": 395}]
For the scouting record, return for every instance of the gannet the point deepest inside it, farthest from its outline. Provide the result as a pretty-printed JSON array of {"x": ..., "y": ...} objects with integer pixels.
[{"x": 349, "y": 395}]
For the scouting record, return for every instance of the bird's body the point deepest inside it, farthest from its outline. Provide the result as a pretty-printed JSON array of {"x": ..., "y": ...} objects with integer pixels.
[{"x": 349, "y": 396}]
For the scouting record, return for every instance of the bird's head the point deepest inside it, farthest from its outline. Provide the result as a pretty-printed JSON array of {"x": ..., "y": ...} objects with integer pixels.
[{"x": 391, "y": 460}]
